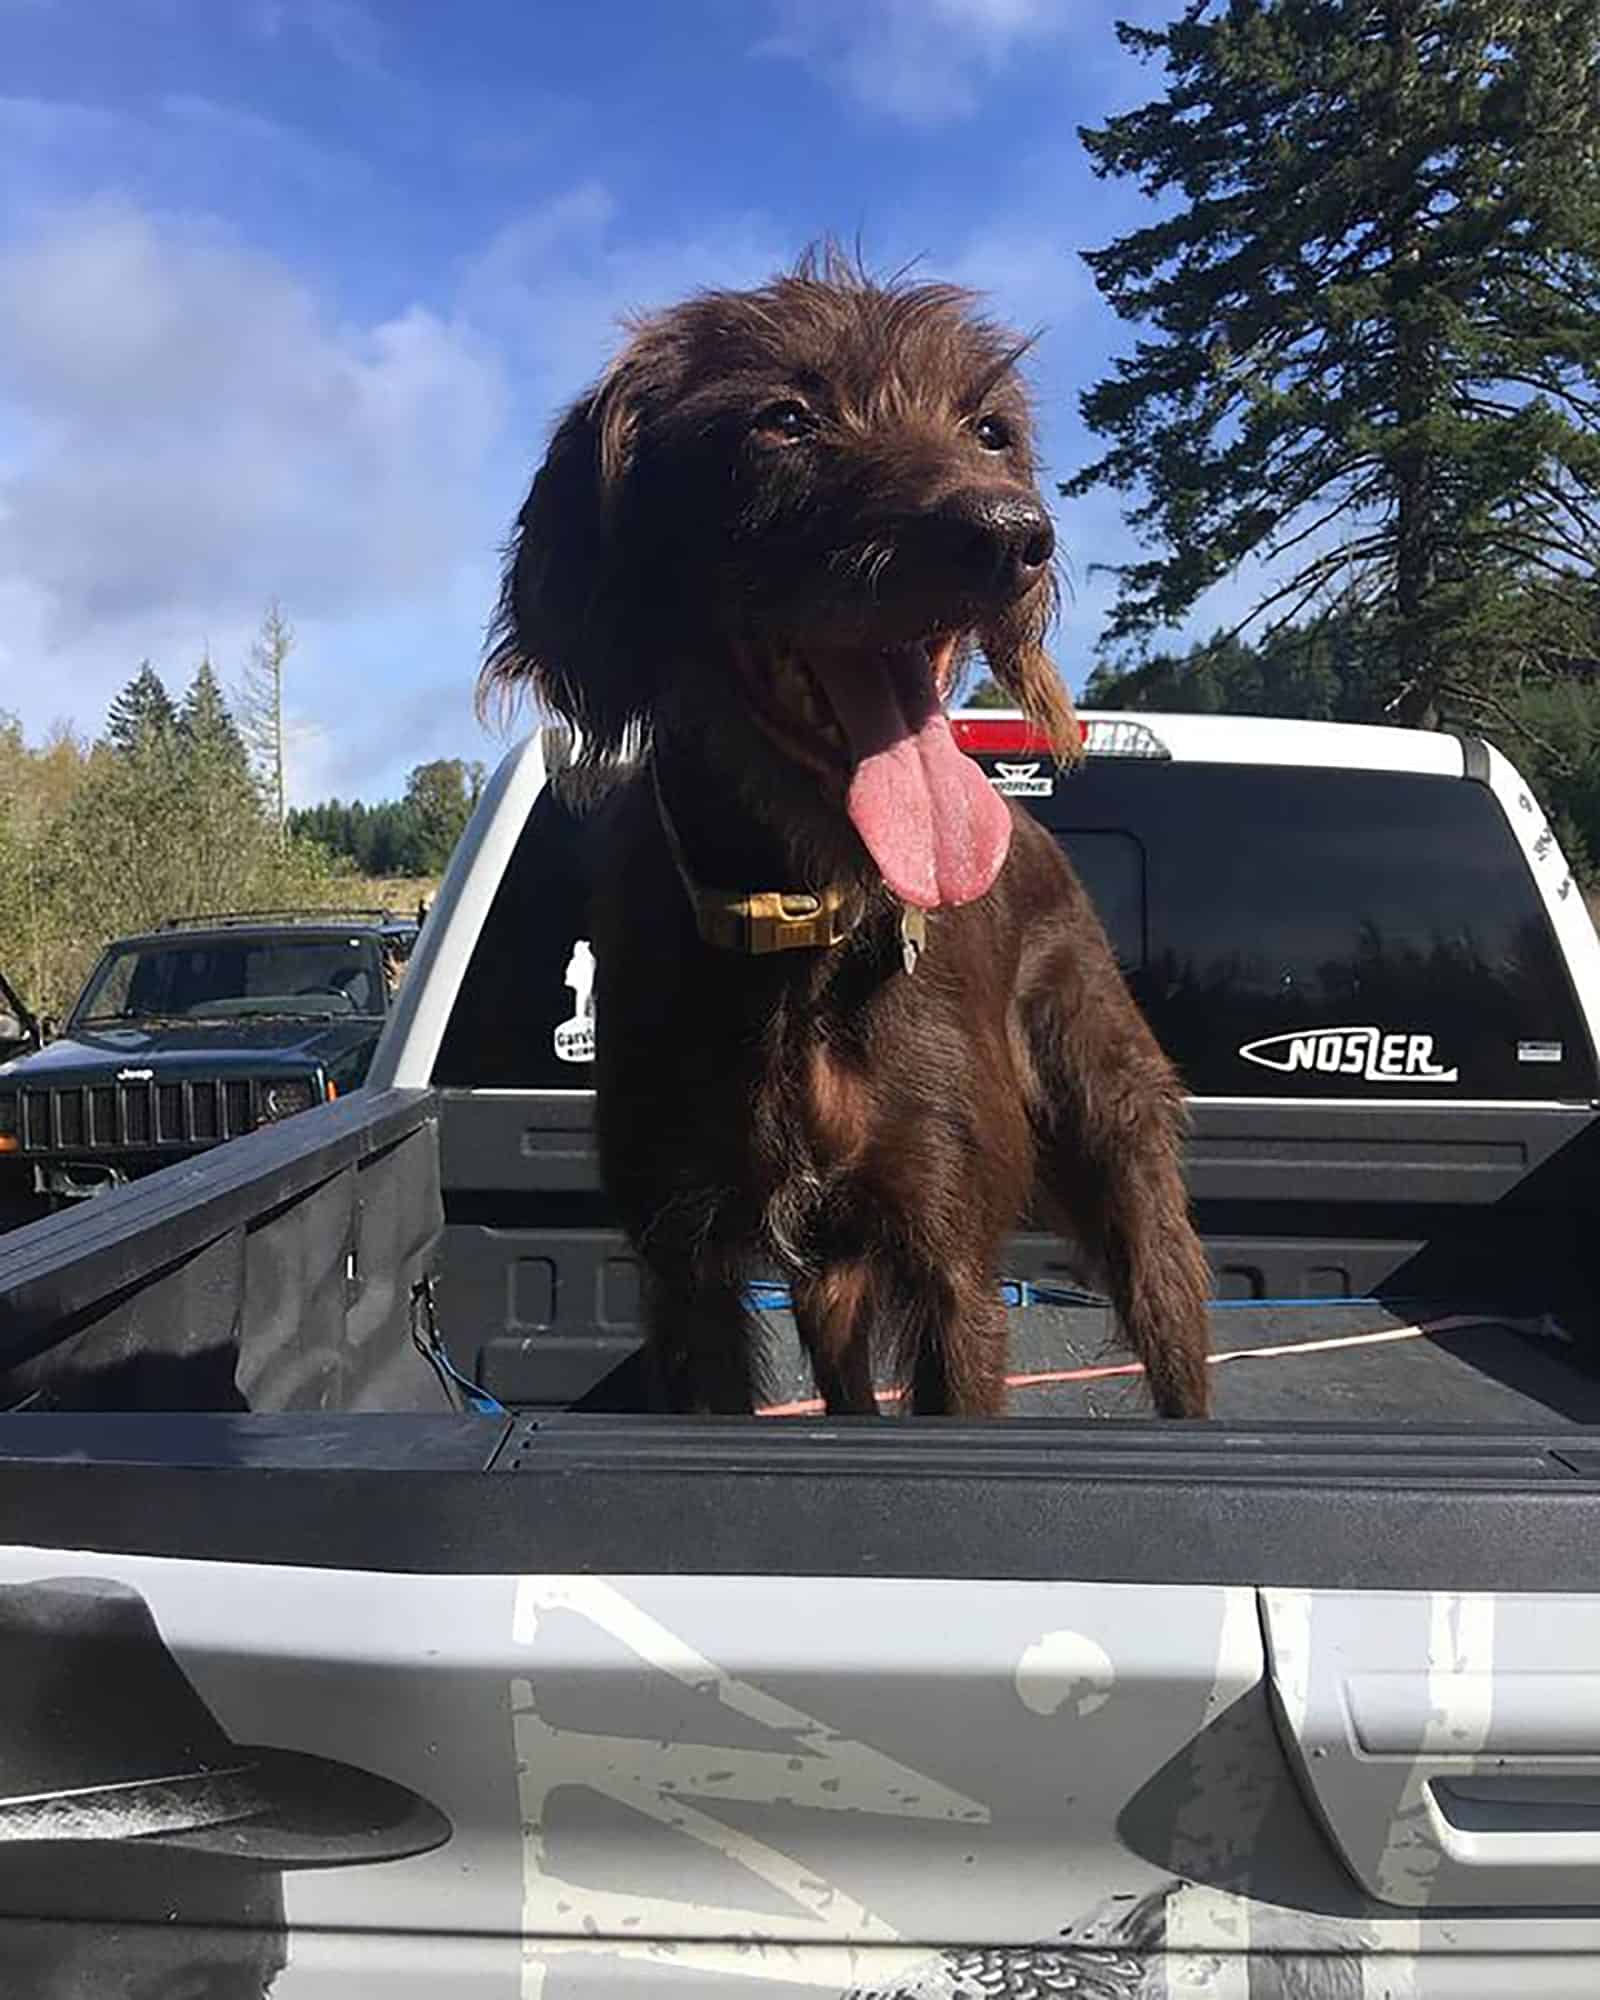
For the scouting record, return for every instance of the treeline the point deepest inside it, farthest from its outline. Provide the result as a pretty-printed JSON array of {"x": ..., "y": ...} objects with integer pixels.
[
  {"x": 163, "y": 815},
  {"x": 410, "y": 836},
  {"x": 173, "y": 811},
  {"x": 1364, "y": 361},
  {"x": 1341, "y": 667},
  {"x": 1362, "y": 372}
]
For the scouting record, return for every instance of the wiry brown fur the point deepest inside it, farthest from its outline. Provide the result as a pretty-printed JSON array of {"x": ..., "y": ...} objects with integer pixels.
[{"x": 876, "y": 1135}]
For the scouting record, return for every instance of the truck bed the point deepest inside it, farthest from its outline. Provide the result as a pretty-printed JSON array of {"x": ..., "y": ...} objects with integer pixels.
[
  {"x": 287, "y": 1272},
  {"x": 1352, "y": 1361}
]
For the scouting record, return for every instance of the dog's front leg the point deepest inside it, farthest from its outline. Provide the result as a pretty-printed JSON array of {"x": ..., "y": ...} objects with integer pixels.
[
  {"x": 1109, "y": 1118},
  {"x": 954, "y": 1326}
]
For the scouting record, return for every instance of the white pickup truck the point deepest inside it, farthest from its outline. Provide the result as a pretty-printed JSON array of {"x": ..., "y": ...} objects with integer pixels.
[{"x": 362, "y": 1632}]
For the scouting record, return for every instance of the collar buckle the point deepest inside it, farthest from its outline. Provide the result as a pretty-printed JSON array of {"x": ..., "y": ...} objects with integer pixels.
[{"x": 769, "y": 920}]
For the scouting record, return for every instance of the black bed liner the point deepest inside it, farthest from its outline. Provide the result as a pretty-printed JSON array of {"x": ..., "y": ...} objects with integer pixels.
[{"x": 1356, "y": 1362}]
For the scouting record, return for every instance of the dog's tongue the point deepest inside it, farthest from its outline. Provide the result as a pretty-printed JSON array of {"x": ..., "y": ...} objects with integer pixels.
[{"x": 933, "y": 823}]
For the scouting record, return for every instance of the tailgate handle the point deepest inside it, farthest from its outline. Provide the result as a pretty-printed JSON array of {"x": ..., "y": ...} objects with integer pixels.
[
  {"x": 1520, "y": 1805},
  {"x": 1450, "y": 1765},
  {"x": 1519, "y": 1821}
]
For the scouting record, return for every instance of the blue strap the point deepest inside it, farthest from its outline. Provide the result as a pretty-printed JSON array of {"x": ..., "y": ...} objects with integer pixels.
[{"x": 769, "y": 1296}]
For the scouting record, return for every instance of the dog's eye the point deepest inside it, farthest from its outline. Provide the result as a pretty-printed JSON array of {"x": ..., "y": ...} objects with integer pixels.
[
  {"x": 993, "y": 433},
  {"x": 788, "y": 420}
]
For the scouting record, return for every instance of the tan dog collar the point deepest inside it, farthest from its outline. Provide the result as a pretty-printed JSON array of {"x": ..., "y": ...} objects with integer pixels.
[{"x": 758, "y": 921}]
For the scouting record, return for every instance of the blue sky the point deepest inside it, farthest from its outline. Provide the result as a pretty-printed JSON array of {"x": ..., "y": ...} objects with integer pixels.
[{"x": 290, "y": 291}]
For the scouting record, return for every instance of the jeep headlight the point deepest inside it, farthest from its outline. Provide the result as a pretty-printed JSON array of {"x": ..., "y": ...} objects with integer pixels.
[{"x": 284, "y": 1096}]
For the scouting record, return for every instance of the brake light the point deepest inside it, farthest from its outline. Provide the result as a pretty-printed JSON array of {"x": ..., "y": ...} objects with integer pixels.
[
  {"x": 1010, "y": 735},
  {"x": 998, "y": 735}
]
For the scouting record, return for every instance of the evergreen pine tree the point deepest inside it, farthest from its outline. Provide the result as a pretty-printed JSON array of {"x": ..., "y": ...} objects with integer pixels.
[{"x": 1370, "y": 343}]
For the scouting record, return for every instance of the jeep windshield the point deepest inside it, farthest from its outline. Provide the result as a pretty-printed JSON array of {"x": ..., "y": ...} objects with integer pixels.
[{"x": 232, "y": 979}]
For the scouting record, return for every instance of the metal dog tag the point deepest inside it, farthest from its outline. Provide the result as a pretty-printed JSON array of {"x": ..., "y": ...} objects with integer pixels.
[{"x": 913, "y": 937}]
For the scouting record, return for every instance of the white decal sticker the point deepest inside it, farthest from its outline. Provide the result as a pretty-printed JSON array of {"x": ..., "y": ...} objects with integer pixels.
[
  {"x": 1023, "y": 781},
  {"x": 679, "y": 1786},
  {"x": 1374, "y": 1055},
  {"x": 1063, "y": 1667},
  {"x": 575, "y": 1037},
  {"x": 1540, "y": 1052}
]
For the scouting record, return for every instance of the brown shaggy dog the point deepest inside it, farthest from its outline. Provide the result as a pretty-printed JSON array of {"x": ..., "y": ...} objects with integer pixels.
[{"x": 763, "y": 547}]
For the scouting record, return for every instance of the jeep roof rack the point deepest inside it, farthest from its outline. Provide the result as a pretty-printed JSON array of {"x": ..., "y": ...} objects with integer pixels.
[{"x": 334, "y": 914}]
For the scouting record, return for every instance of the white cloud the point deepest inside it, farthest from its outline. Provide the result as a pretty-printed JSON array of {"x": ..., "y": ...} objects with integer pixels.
[
  {"x": 188, "y": 429},
  {"x": 191, "y": 127},
  {"x": 185, "y": 432},
  {"x": 58, "y": 147},
  {"x": 555, "y": 283},
  {"x": 513, "y": 272},
  {"x": 197, "y": 433},
  {"x": 370, "y": 755},
  {"x": 1027, "y": 275},
  {"x": 47, "y": 121},
  {"x": 919, "y": 61},
  {"x": 346, "y": 29}
]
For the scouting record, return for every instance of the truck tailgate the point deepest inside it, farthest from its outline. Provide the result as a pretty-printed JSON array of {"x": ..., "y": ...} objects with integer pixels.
[{"x": 581, "y": 1708}]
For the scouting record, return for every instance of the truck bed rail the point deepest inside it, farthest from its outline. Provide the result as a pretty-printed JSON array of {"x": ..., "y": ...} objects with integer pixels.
[{"x": 275, "y": 1273}]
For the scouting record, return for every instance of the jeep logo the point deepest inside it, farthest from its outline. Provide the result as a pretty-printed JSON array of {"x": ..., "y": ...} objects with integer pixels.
[
  {"x": 1372, "y": 1054},
  {"x": 134, "y": 1075}
]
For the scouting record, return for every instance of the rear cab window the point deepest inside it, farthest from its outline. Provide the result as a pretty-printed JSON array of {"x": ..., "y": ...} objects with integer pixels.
[
  {"x": 1322, "y": 932},
  {"x": 1289, "y": 931}
]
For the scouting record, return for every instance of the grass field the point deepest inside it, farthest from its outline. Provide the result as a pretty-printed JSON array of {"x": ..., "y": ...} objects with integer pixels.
[{"x": 399, "y": 893}]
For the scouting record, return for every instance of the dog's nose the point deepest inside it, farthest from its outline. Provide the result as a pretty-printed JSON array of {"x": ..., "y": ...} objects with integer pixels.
[{"x": 995, "y": 540}]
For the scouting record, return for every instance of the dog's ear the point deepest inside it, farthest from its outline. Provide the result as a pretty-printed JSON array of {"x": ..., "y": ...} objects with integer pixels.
[{"x": 566, "y": 626}]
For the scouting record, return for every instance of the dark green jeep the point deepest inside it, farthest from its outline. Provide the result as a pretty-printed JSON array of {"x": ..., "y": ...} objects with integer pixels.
[
  {"x": 19, "y": 1031},
  {"x": 194, "y": 1033}
]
